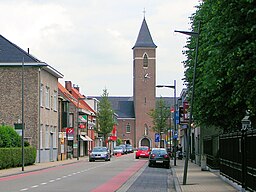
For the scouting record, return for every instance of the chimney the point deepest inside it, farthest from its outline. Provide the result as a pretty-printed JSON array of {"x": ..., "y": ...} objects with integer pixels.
[
  {"x": 76, "y": 87},
  {"x": 68, "y": 85}
]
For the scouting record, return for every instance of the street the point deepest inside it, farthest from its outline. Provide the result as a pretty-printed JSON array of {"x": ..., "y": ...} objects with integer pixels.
[{"x": 124, "y": 173}]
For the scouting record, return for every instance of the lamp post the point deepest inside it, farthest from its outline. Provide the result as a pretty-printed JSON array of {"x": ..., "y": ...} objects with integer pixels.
[
  {"x": 195, "y": 34},
  {"x": 175, "y": 125}
]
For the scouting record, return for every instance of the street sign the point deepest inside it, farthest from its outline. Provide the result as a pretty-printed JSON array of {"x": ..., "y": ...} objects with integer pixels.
[
  {"x": 177, "y": 119},
  {"x": 157, "y": 137}
]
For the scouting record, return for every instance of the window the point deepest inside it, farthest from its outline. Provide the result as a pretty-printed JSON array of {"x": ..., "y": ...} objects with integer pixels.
[
  {"x": 54, "y": 135},
  {"x": 47, "y": 136},
  {"x": 55, "y": 100},
  {"x": 41, "y": 136},
  {"x": 47, "y": 97},
  {"x": 41, "y": 94},
  {"x": 146, "y": 129},
  {"x": 128, "y": 128},
  {"x": 71, "y": 120},
  {"x": 145, "y": 60}
]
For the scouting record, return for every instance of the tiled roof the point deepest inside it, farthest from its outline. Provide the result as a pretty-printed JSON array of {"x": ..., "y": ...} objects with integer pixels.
[
  {"x": 11, "y": 53},
  {"x": 124, "y": 106},
  {"x": 144, "y": 38}
]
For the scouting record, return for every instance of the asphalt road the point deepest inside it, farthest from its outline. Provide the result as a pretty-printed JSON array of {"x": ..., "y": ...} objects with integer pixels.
[{"x": 124, "y": 173}]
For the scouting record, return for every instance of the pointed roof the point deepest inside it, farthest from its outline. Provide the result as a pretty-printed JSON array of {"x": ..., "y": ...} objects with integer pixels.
[
  {"x": 144, "y": 38},
  {"x": 11, "y": 53}
]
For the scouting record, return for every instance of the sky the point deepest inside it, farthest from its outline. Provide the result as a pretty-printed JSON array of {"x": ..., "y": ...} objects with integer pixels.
[{"x": 90, "y": 41}]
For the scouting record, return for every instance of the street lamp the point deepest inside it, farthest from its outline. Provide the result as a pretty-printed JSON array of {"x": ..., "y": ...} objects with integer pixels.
[
  {"x": 195, "y": 34},
  {"x": 175, "y": 126}
]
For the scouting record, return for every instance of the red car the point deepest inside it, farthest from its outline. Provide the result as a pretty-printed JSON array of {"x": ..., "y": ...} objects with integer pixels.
[{"x": 143, "y": 151}]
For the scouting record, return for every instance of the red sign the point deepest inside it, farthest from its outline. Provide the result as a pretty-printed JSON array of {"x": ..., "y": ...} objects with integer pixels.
[
  {"x": 112, "y": 138},
  {"x": 82, "y": 126},
  {"x": 70, "y": 130}
]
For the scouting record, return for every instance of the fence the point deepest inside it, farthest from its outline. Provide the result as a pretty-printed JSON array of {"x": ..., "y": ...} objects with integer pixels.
[
  {"x": 211, "y": 149},
  {"x": 238, "y": 157}
]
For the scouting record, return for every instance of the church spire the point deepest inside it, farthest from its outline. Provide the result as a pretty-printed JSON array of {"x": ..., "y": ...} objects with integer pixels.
[{"x": 144, "y": 38}]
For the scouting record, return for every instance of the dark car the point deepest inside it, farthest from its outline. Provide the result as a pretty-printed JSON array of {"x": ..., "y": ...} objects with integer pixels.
[
  {"x": 99, "y": 153},
  {"x": 159, "y": 156}
]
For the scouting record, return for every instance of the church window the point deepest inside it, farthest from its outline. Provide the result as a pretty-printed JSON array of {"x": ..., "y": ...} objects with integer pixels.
[
  {"x": 145, "y": 60},
  {"x": 146, "y": 130},
  {"x": 128, "y": 128}
]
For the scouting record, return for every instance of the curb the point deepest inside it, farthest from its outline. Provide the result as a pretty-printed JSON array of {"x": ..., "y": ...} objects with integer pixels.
[{"x": 176, "y": 182}]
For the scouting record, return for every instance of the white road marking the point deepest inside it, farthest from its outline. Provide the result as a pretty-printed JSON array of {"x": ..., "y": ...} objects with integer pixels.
[
  {"x": 65, "y": 176},
  {"x": 35, "y": 186},
  {"x": 25, "y": 189}
]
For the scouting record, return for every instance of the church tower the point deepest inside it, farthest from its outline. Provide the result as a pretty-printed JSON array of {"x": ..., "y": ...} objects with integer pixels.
[{"x": 144, "y": 83}]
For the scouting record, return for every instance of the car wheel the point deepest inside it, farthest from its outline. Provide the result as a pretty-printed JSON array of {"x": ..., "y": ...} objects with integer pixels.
[
  {"x": 90, "y": 160},
  {"x": 137, "y": 157},
  {"x": 149, "y": 164}
]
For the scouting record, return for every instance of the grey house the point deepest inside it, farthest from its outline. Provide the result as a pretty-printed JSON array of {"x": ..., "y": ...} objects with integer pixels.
[{"x": 40, "y": 93}]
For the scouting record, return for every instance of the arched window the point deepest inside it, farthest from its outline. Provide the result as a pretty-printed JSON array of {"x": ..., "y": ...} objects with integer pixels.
[
  {"x": 145, "y": 60},
  {"x": 145, "y": 129}
]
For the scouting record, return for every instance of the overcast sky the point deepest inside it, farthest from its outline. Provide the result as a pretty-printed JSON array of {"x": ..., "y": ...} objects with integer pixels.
[{"x": 90, "y": 41}]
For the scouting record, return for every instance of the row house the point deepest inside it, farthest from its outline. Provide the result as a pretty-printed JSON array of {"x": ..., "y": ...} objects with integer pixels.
[
  {"x": 58, "y": 120},
  {"x": 29, "y": 94},
  {"x": 77, "y": 122}
]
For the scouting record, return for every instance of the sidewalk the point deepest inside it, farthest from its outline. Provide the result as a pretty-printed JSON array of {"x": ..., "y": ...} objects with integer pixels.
[
  {"x": 39, "y": 166},
  {"x": 197, "y": 180}
]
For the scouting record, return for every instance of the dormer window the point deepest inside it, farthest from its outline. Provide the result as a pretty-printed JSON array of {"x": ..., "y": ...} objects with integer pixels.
[{"x": 145, "y": 60}]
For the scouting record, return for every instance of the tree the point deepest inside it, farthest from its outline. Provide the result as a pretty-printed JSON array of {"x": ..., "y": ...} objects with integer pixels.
[
  {"x": 226, "y": 70},
  {"x": 105, "y": 116},
  {"x": 160, "y": 117},
  {"x": 9, "y": 137}
]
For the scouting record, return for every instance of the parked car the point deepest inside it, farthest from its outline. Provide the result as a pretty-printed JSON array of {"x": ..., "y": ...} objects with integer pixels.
[
  {"x": 142, "y": 151},
  {"x": 118, "y": 149},
  {"x": 99, "y": 153},
  {"x": 159, "y": 156},
  {"x": 129, "y": 148},
  {"x": 124, "y": 147}
]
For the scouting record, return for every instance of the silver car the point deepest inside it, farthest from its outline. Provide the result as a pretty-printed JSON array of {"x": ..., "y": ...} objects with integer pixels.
[{"x": 99, "y": 153}]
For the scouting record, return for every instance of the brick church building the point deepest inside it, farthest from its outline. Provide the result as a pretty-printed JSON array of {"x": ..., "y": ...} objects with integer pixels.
[{"x": 134, "y": 124}]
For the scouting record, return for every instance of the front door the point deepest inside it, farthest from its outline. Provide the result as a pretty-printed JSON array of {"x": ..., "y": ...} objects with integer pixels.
[{"x": 145, "y": 142}]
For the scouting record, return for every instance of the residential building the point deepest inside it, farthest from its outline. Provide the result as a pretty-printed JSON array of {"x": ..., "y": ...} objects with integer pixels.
[{"x": 29, "y": 89}]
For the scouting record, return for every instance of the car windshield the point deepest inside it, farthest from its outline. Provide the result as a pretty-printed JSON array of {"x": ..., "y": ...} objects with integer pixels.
[
  {"x": 118, "y": 148},
  {"x": 98, "y": 150},
  {"x": 159, "y": 151},
  {"x": 143, "y": 148}
]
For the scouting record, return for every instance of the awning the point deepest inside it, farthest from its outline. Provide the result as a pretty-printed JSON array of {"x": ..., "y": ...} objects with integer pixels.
[{"x": 85, "y": 138}]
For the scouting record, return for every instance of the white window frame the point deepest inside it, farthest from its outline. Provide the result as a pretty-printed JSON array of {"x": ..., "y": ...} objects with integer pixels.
[
  {"x": 47, "y": 97},
  {"x": 47, "y": 136},
  {"x": 41, "y": 136},
  {"x": 41, "y": 94},
  {"x": 55, "y": 100},
  {"x": 128, "y": 128}
]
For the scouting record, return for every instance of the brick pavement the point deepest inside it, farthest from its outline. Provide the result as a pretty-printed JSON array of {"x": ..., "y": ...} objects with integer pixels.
[{"x": 198, "y": 180}]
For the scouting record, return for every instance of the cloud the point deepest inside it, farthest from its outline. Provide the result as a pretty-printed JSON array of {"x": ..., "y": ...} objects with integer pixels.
[{"x": 90, "y": 42}]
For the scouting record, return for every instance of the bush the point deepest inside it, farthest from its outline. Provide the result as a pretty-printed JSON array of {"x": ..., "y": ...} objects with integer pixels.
[
  {"x": 9, "y": 137},
  {"x": 12, "y": 157}
]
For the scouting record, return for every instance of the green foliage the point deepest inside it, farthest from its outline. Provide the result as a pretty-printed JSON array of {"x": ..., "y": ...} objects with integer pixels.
[
  {"x": 160, "y": 116},
  {"x": 226, "y": 70},
  {"x": 12, "y": 157},
  {"x": 118, "y": 141},
  {"x": 105, "y": 115},
  {"x": 9, "y": 137}
]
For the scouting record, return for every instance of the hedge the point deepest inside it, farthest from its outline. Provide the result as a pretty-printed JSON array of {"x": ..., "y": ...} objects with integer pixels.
[{"x": 12, "y": 157}]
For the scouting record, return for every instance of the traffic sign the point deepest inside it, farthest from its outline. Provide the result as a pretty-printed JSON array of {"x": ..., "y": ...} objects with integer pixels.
[{"x": 157, "y": 137}]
